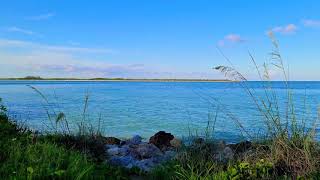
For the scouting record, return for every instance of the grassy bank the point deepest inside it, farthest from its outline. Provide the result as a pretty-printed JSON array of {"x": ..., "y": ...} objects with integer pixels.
[{"x": 24, "y": 154}]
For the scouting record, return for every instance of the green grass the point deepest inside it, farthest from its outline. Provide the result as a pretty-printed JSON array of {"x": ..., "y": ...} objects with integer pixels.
[{"x": 23, "y": 155}]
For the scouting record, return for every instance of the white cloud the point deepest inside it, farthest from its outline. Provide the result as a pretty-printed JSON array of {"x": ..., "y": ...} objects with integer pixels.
[
  {"x": 57, "y": 63},
  {"x": 25, "y": 58},
  {"x": 41, "y": 17},
  {"x": 66, "y": 64},
  {"x": 287, "y": 29},
  {"x": 8, "y": 43},
  {"x": 230, "y": 38},
  {"x": 13, "y": 43},
  {"x": 30, "y": 58},
  {"x": 20, "y": 30},
  {"x": 234, "y": 38},
  {"x": 14, "y": 29},
  {"x": 311, "y": 23}
]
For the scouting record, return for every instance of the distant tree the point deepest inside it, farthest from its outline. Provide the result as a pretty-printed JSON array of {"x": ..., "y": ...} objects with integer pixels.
[{"x": 32, "y": 77}]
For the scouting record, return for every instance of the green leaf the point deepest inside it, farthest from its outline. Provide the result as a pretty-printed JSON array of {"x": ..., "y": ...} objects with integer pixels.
[
  {"x": 30, "y": 170},
  {"x": 59, "y": 172}
]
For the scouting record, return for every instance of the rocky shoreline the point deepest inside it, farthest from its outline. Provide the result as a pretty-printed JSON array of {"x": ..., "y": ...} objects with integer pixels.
[
  {"x": 163, "y": 147},
  {"x": 134, "y": 152}
]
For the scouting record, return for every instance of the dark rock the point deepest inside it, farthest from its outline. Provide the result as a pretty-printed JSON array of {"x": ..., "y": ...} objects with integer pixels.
[
  {"x": 112, "y": 141},
  {"x": 161, "y": 139}
]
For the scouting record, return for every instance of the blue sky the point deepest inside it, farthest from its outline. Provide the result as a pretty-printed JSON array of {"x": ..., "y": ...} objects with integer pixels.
[{"x": 155, "y": 39}]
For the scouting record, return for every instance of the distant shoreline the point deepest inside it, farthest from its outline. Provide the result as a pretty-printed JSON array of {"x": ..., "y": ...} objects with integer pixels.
[{"x": 117, "y": 80}]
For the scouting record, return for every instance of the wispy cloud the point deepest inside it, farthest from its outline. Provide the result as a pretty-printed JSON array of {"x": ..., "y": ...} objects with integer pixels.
[
  {"x": 20, "y": 30},
  {"x": 230, "y": 38},
  {"x": 61, "y": 64},
  {"x": 15, "y": 29},
  {"x": 102, "y": 69},
  {"x": 9, "y": 43},
  {"x": 311, "y": 23},
  {"x": 29, "y": 57},
  {"x": 41, "y": 17},
  {"x": 64, "y": 61},
  {"x": 287, "y": 29}
]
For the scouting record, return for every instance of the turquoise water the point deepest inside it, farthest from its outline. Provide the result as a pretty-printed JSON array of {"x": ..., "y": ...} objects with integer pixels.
[{"x": 128, "y": 108}]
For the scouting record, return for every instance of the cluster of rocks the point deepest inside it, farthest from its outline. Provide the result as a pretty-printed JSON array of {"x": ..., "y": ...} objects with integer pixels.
[
  {"x": 161, "y": 147},
  {"x": 134, "y": 152}
]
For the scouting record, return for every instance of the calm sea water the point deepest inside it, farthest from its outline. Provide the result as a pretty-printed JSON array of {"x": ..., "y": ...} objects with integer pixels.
[{"x": 128, "y": 108}]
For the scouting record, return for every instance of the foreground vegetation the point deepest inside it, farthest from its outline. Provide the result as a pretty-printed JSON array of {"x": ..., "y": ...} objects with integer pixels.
[{"x": 24, "y": 154}]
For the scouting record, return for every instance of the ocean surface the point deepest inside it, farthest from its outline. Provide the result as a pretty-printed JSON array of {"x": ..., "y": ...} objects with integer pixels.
[{"x": 123, "y": 109}]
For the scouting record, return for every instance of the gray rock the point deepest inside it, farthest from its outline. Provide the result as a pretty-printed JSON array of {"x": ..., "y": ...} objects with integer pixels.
[
  {"x": 158, "y": 159},
  {"x": 110, "y": 146},
  {"x": 145, "y": 164},
  {"x": 147, "y": 151},
  {"x": 228, "y": 153},
  {"x": 118, "y": 151},
  {"x": 135, "y": 140},
  {"x": 135, "y": 153},
  {"x": 169, "y": 155},
  {"x": 124, "y": 161}
]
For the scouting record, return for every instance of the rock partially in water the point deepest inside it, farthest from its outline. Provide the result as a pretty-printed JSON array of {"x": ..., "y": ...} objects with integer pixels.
[
  {"x": 161, "y": 139},
  {"x": 135, "y": 140}
]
